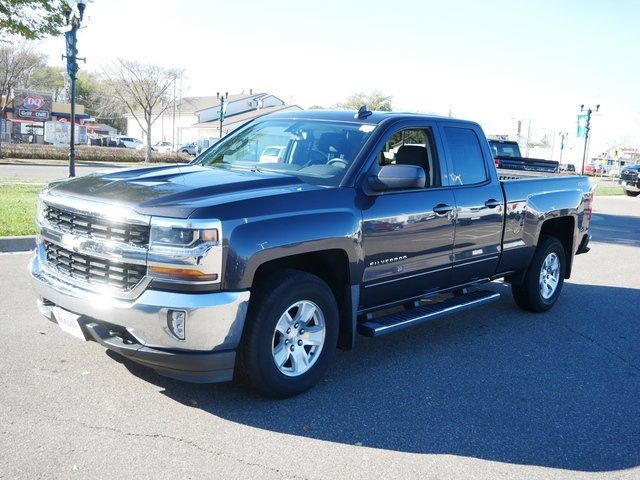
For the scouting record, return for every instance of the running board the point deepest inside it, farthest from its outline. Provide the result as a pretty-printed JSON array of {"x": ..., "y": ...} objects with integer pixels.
[{"x": 425, "y": 313}]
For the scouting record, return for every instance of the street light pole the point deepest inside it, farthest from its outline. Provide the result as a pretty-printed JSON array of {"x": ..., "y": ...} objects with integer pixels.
[
  {"x": 563, "y": 137},
  {"x": 71, "y": 38},
  {"x": 223, "y": 100},
  {"x": 587, "y": 129}
]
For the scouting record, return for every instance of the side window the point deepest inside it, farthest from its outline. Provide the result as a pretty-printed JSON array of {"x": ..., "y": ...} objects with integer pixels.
[
  {"x": 466, "y": 156},
  {"x": 412, "y": 147}
]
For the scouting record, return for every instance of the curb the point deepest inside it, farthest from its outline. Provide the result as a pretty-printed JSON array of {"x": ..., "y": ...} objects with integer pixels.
[{"x": 17, "y": 244}]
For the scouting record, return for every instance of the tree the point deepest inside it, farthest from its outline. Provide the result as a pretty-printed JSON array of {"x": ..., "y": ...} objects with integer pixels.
[
  {"x": 32, "y": 19},
  {"x": 50, "y": 79},
  {"x": 144, "y": 91},
  {"x": 17, "y": 63},
  {"x": 374, "y": 101}
]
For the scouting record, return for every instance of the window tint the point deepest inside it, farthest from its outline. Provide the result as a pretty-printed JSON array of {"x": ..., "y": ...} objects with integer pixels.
[
  {"x": 413, "y": 147},
  {"x": 466, "y": 156}
]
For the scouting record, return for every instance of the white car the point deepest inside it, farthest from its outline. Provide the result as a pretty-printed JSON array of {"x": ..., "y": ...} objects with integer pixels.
[
  {"x": 272, "y": 155},
  {"x": 130, "y": 142},
  {"x": 162, "y": 147}
]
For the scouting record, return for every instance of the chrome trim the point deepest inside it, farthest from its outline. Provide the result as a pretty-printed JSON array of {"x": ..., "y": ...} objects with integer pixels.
[
  {"x": 464, "y": 264},
  {"x": 408, "y": 276},
  {"x": 102, "y": 290},
  {"x": 107, "y": 210},
  {"x": 215, "y": 320},
  {"x": 105, "y": 250}
]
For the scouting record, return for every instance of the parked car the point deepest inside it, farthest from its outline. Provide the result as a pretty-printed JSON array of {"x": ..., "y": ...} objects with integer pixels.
[
  {"x": 162, "y": 147},
  {"x": 567, "y": 168},
  {"x": 228, "y": 265},
  {"x": 506, "y": 154},
  {"x": 130, "y": 142},
  {"x": 589, "y": 170},
  {"x": 630, "y": 180},
  {"x": 191, "y": 148},
  {"x": 272, "y": 155}
]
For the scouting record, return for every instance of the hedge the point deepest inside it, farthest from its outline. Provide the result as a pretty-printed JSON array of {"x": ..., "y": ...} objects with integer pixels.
[{"x": 89, "y": 153}]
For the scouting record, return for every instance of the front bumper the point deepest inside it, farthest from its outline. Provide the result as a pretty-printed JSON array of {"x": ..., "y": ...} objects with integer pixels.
[
  {"x": 631, "y": 185},
  {"x": 138, "y": 328}
]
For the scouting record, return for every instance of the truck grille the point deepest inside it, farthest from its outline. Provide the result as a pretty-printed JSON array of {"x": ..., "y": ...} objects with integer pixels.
[
  {"x": 629, "y": 175},
  {"x": 96, "y": 227},
  {"x": 95, "y": 271}
]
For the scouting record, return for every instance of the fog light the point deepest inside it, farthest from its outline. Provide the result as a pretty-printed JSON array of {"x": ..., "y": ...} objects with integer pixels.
[{"x": 176, "y": 320}]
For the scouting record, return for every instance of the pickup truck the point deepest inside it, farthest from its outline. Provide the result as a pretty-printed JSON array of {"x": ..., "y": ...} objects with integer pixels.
[
  {"x": 630, "y": 180},
  {"x": 506, "y": 154},
  {"x": 229, "y": 268}
]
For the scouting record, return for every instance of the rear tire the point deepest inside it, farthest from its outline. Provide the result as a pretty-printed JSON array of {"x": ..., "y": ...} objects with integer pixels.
[
  {"x": 542, "y": 284},
  {"x": 629, "y": 193},
  {"x": 278, "y": 357}
]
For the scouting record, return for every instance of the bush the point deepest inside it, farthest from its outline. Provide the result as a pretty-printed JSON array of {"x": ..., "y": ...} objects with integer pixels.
[{"x": 88, "y": 153}]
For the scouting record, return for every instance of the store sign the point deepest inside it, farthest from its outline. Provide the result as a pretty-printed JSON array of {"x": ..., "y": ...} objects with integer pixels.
[{"x": 32, "y": 106}]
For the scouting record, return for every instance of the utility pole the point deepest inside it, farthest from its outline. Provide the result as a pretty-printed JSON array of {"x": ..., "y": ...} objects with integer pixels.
[
  {"x": 563, "y": 137},
  {"x": 587, "y": 129},
  {"x": 528, "y": 138},
  {"x": 223, "y": 103},
  {"x": 71, "y": 38}
]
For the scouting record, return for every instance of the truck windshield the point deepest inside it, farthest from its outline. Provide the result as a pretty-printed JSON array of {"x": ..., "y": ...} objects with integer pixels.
[{"x": 318, "y": 152}]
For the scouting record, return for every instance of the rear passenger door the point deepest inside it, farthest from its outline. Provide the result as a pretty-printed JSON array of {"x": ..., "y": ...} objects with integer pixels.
[{"x": 479, "y": 202}]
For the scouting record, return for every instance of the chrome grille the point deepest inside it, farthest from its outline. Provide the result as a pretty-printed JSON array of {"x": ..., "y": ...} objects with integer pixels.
[
  {"x": 95, "y": 271},
  {"x": 96, "y": 227}
]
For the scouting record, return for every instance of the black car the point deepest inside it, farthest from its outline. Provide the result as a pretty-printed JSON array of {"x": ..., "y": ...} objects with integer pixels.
[{"x": 630, "y": 180}]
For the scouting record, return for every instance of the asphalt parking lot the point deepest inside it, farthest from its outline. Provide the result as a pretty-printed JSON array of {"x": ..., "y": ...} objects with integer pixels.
[{"x": 496, "y": 393}]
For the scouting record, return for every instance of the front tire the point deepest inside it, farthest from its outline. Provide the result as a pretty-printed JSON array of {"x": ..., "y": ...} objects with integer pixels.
[
  {"x": 291, "y": 334},
  {"x": 629, "y": 193},
  {"x": 542, "y": 284}
]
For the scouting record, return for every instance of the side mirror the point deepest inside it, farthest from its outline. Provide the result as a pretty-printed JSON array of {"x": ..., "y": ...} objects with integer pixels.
[{"x": 395, "y": 177}]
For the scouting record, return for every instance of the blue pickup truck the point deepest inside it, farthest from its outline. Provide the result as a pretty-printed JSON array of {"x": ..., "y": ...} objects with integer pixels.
[{"x": 238, "y": 266}]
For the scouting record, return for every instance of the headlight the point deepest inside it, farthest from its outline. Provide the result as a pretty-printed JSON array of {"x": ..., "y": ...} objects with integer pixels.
[
  {"x": 40, "y": 207},
  {"x": 185, "y": 251}
]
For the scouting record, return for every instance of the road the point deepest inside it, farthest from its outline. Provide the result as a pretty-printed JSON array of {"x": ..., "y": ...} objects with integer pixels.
[
  {"x": 494, "y": 394},
  {"x": 45, "y": 173}
]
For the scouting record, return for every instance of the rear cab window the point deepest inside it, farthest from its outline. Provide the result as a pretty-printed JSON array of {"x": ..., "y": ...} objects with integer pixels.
[{"x": 468, "y": 166}]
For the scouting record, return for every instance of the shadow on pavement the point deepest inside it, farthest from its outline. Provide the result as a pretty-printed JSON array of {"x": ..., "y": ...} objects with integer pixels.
[{"x": 557, "y": 390}]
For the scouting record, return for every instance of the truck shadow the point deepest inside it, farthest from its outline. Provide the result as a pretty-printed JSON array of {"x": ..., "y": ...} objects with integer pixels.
[{"x": 556, "y": 390}]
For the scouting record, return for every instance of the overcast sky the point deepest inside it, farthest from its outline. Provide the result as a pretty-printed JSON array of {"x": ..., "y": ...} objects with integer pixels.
[{"x": 490, "y": 61}]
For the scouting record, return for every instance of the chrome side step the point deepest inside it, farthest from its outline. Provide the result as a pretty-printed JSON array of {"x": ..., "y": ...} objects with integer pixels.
[{"x": 425, "y": 313}]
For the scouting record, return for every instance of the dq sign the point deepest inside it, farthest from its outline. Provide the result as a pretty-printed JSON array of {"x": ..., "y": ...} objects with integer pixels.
[{"x": 32, "y": 106}]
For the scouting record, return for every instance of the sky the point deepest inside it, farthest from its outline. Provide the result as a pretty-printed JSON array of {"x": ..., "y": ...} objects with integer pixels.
[{"x": 495, "y": 62}]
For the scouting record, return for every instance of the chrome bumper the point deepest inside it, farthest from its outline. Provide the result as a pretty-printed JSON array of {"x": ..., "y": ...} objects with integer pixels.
[{"x": 214, "y": 320}]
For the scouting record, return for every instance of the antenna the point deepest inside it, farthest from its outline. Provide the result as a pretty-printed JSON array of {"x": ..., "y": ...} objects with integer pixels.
[{"x": 363, "y": 112}]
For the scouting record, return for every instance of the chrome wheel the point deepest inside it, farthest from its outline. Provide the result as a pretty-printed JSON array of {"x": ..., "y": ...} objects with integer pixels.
[
  {"x": 549, "y": 276},
  {"x": 298, "y": 338}
]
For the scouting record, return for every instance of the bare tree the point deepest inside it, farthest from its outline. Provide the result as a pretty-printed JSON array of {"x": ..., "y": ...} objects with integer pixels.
[
  {"x": 374, "y": 101},
  {"x": 17, "y": 62},
  {"x": 143, "y": 89}
]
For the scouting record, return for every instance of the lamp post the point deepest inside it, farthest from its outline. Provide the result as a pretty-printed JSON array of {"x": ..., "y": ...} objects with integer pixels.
[
  {"x": 587, "y": 129},
  {"x": 223, "y": 102},
  {"x": 563, "y": 138},
  {"x": 71, "y": 38}
]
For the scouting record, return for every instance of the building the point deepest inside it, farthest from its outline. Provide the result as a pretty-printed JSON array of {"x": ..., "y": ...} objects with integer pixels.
[
  {"x": 196, "y": 118},
  {"x": 24, "y": 118}
]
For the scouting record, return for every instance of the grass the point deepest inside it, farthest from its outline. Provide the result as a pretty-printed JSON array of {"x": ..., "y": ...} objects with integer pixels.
[
  {"x": 18, "y": 208},
  {"x": 606, "y": 191}
]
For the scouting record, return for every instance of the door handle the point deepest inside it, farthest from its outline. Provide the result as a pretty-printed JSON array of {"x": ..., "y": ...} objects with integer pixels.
[
  {"x": 492, "y": 203},
  {"x": 442, "y": 208}
]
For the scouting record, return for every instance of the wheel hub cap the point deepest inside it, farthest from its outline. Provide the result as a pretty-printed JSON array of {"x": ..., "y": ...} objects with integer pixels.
[
  {"x": 549, "y": 276},
  {"x": 298, "y": 338}
]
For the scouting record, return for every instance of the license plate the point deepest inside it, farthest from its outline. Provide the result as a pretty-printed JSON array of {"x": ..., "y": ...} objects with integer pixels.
[{"x": 68, "y": 322}]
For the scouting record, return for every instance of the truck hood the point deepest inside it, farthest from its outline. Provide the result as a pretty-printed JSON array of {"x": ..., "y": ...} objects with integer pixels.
[{"x": 176, "y": 190}]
